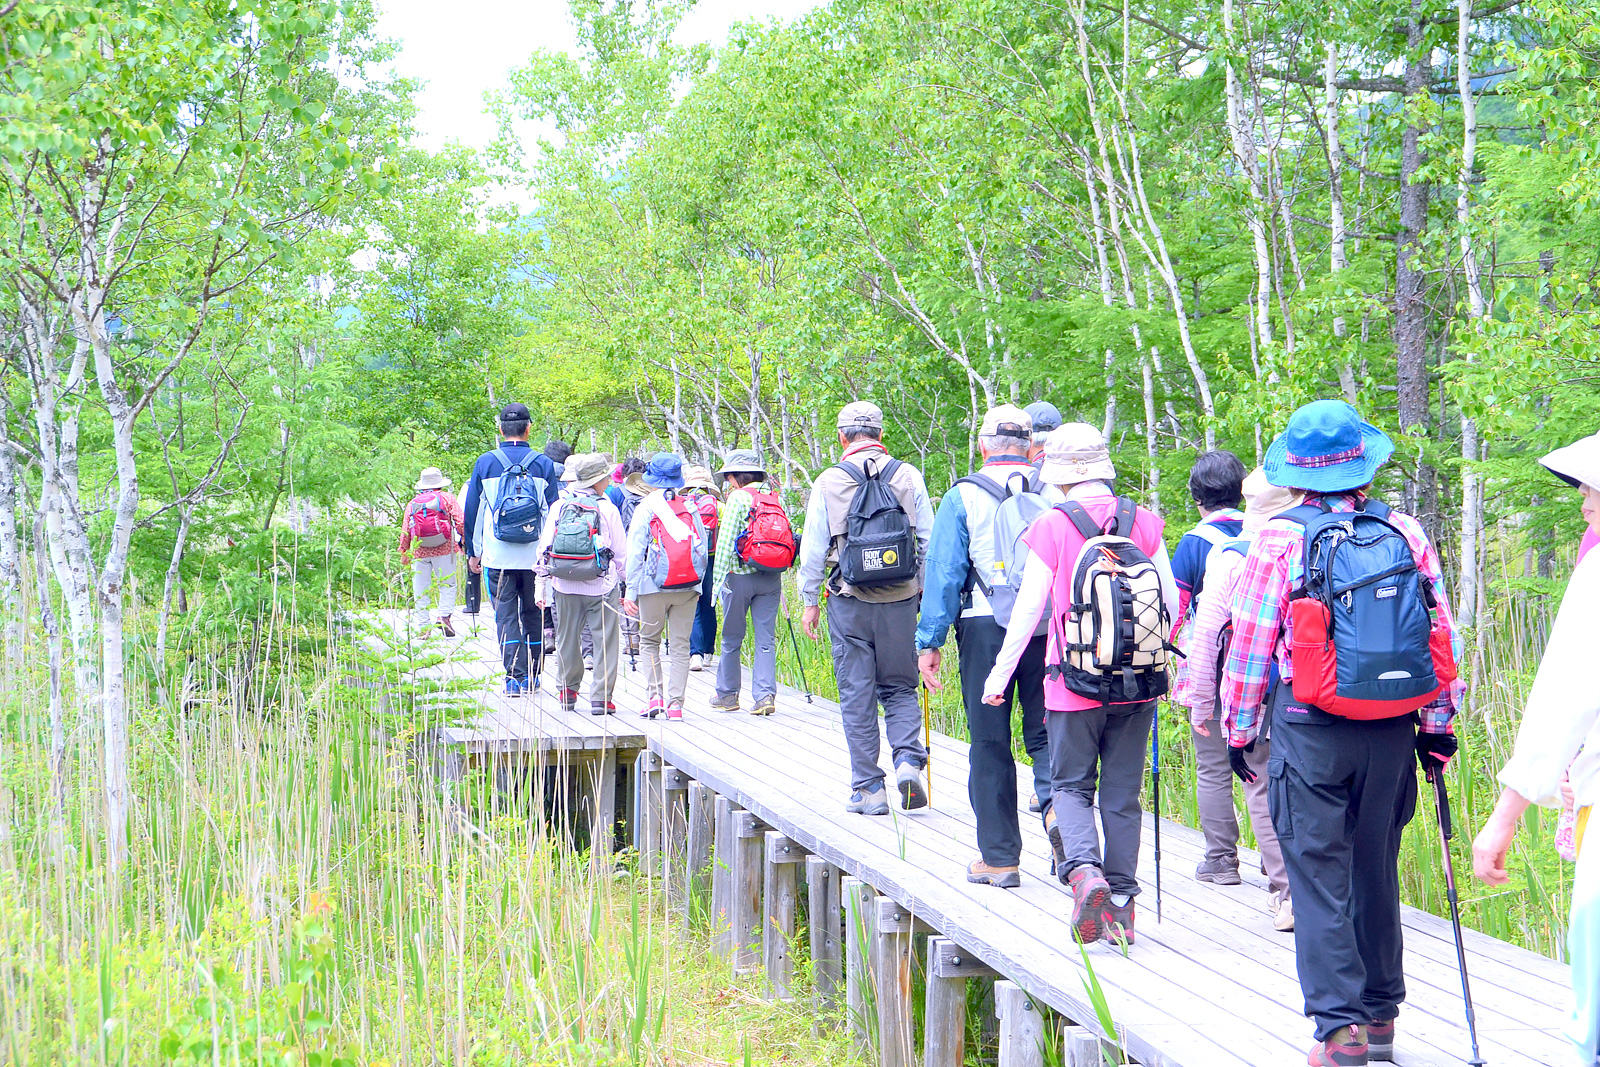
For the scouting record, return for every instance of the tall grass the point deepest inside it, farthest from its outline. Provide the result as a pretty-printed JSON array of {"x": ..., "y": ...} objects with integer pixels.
[{"x": 300, "y": 891}]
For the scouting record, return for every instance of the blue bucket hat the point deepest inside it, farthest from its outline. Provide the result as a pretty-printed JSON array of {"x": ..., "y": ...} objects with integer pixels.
[
  {"x": 1327, "y": 449},
  {"x": 664, "y": 471}
]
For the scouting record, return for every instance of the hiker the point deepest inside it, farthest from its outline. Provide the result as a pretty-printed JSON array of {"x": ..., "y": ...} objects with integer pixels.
[
  {"x": 870, "y": 517},
  {"x": 1215, "y": 486},
  {"x": 557, "y": 451},
  {"x": 508, "y": 496},
  {"x": 430, "y": 532},
  {"x": 626, "y": 491},
  {"x": 1559, "y": 739},
  {"x": 1344, "y": 715},
  {"x": 700, "y": 489},
  {"x": 666, "y": 566},
  {"x": 756, "y": 546},
  {"x": 580, "y": 559},
  {"x": 1044, "y": 418},
  {"x": 1210, "y": 631},
  {"x": 1099, "y": 712},
  {"x": 974, "y": 553}
]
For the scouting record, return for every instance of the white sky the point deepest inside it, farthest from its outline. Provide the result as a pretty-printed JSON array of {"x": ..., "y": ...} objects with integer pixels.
[{"x": 465, "y": 48}]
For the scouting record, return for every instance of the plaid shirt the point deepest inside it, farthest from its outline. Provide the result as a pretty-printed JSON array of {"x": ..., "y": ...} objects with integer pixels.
[
  {"x": 731, "y": 523},
  {"x": 1275, "y": 568}
]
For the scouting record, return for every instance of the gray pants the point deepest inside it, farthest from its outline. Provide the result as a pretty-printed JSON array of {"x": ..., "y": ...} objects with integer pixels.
[
  {"x": 875, "y": 662},
  {"x": 758, "y": 594},
  {"x": 672, "y": 613},
  {"x": 1105, "y": 744},
  {"x": 1218, "y": 818},
  {"x": 425, "y": 574},
  {"x": 576, "y": 617}
]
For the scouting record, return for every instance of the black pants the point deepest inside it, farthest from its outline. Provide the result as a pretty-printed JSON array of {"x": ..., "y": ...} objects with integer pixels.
[
  {"x": 519, "y": 623},
  {"x": 992, "y": 769},
  {"x": 1341, "y": 792}
]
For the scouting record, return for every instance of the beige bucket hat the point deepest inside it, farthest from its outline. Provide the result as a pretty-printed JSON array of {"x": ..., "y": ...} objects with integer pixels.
[
  {"x": 1076, "y": 453},
  {"x": 432, "y": 478}
]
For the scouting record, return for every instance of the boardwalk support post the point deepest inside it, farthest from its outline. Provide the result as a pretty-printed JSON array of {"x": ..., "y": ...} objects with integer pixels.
[
  {"x": 748, "y": 853},
  {"x": 860, "y": 914},
  {"x": 722, "y": 880},
  {"x": 650, "y": 809},
  {"x": 892, "y": 969},
  {"x": 1082, "y": 1047},
  {"x": 674, "y": 836},
  {"x": 603, "y": 830},
  {"x": 1021, "y": 1026},
  {"x": 702, "y": 829},
  {"x": 822, "y": 897},
  {"x": 779, "y": 892},
  {"x": 945, "y": 1019}
]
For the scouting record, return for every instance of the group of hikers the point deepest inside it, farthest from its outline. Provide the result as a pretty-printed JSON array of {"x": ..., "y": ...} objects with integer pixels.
[{"x": 1306, "y": 623}]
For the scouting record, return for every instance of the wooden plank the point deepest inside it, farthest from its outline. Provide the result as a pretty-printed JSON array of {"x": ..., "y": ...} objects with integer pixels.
[
  {"x": 701, "y": 834},
  {"x": 891, "y": 970},
  {"x": 826, "y": 932},
  {"x": 674, "y": 781},
  {"x": 777, "y": 931},
  {"x": 651, "y": 813},
  {"x": 603, "y": 831},
  {"x": 1021, "y": 1026},
  {"x": 722, "y": 880},
  {"x": 1080, "y": 1047},
  {"x": 944, "y": 1032},
  {"x": 748, "y": 875},
  {"x": 783, "y": 849},
  {"x": 946, "y": 959},
  {"x": 860, "y": 907}
]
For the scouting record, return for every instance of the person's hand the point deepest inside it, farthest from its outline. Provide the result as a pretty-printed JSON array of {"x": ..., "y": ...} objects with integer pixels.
[
  {"x": 631, "y": 608},
  {"x": 1236, "y": 760},
  {"x": 994, "y": 699},
  {"x": 542, "y": 602},
  {"x": 405, "y": 559},
  {"x": 475, "y": 564},
  {"x": 810, "y": 619},
  {"x": 928, "y": 667},
  {"x": 1489, "y": 850},
  {"x": 1434, "y": 751},
  {"x": 1569, "y": 799},
  {"x": 1201, "y": 726}
]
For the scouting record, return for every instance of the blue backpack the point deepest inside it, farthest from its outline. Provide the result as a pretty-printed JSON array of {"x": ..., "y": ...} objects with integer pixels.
[{"x": 519, "y": 505}]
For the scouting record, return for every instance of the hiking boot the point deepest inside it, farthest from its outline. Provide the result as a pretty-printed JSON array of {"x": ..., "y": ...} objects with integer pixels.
[
  {"x": 873, "y": 800},
  {"x": 1116, "y": 921},
  {"x": 765, "y": 706},
  {"x": 1345, "y": 1047},
  {"x": 515, "y": 687},
  {"x": 652, "y": 709},
  {"x": 607, "y": 708},
  {"x": 588, "y": 663},
  {"x": 697, "y": 663},
  {"x": 913, "y": 790},
  {"x": 675, "y": 713},
  {"x": 1283, "y": 922},
  {"x": 1380, "y": 1039},
  {"x": 1218, "y": 872},
  {"x": 1090, "y": 895},
  {"x": 725, "y": 703},
  {"x": 444, "y": 624},
  {"x": 1033, "y": 803},
  {"x": 1058, "y": 854},
  {"x": 569, "y": 699},
  {"x": 980, "y": 873}
]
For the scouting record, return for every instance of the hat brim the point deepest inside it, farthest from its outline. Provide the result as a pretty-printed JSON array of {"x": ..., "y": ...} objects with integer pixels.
[
  {"x": 442, "y": 483},
  {"x": 1064, "y": 473},
  {"x": 725, "y": 471},
  {"x": 1376, "y": 448},
  {"x": 663, "y": 483},
  {"x": 1577, "y": 464}
]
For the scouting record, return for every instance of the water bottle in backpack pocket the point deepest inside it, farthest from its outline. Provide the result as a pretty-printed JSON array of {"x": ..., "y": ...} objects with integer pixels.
[
  {"x": 430, "y": 523},
  {"x": 519, "y": 501},
  {"x": 767, "y": 541},
  {"x": 575, "y": 554},
  {"x": 676, "y": 556},
  {"x": 1363, "y": 640},
  {"x": 1018, "y": 504},
  {"x": 879, "y": 545}
]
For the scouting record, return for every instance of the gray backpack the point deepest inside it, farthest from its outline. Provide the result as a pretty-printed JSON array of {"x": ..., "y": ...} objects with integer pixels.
[
  {"x": 1018, "y": 505},
  {"x": 574, "y": 547}
]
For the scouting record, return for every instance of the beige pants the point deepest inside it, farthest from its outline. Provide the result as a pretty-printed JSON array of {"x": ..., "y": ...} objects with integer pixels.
[
  {"x": 1218, "y": 820},
  {"x": 672, "y": 613},
  {"x": 425, "y": 575}
]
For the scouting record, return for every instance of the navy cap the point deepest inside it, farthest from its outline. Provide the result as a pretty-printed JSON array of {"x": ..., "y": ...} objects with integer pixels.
[
  {"x": 1044, "y": 415},
  {"x": 515, "y": 413}
]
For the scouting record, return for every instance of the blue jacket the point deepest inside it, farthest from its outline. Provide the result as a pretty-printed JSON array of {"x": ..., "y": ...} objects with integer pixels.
[{"x": 482, "y": 489}]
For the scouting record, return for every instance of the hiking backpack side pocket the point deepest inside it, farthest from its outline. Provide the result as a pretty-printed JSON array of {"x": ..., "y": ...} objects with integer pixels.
[{"x": 879, "y": 546}]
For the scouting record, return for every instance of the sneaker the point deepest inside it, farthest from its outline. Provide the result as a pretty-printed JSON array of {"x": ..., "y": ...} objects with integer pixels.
[
  {"x": 515, "y": 687},
  {"x": 569, "y": 699},
  {"x": 1058, "y": 853},
  {"x": 1090, "y": 895},
  {"x": 913, "y": 790},
  {"x": 873, "y": 800},
  {"x": 652, "y": 709},
  {"x": 602, "y": 709},
  {"x": 1116, "y": 922},
  {"x": 588, "y": 663},
  {"x": 1380, "y": 1039},
  {"x": 1218, "y": 872},
  {"x": 1283, "y": 918},
  {"x": 675, "y": 713},
  {"x": 444, "y": 624},
  {"x": 725, "y": 703},
  {"x": 1345, "y": 1047},
  {"x": 980, "y": 873},
  {"x": 697, "y": 663},
  {"x": 765, "y": 706},
  {"x": 1033, "y": 803}
]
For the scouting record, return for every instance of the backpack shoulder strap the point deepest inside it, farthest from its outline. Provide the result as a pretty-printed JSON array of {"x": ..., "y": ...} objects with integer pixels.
[
  {"x": 1127, "y": 511},
  {"x": 1377, "y": 509},
  {"x": 886, "y": 471},
  {"x": 856, "y": 474},
  {"x": 988, "y": 485},
  {"x": 1080, "y": 518},
  {"x": 1238, "y": 545},
  {"x": 505, "y": 460}
]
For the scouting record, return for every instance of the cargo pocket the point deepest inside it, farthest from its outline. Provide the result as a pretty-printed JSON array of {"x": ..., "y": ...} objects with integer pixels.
[{"x": 1278, "y": 799}]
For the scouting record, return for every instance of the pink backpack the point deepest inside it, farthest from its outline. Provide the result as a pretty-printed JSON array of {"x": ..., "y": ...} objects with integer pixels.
[{"x": 430, "y": 523}]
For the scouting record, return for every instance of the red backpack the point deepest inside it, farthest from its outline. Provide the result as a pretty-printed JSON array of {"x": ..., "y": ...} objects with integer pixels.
[
  {"x": 767, "y": 540},
  {"x": 677, "y": 562},
  {"x": 430, "y": 525},
  {"x": 706, "y": 504}
]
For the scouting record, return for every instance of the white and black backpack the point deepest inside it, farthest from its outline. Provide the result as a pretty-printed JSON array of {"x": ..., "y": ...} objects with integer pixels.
[{"x": 1112, "y": 634}]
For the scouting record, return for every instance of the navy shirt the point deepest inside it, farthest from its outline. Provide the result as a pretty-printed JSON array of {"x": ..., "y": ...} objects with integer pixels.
[{"x": 1189, "y": 558}]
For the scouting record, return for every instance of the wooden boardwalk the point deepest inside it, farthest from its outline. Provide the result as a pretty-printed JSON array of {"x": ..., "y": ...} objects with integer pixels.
[{"x": 1212, "y": 983}]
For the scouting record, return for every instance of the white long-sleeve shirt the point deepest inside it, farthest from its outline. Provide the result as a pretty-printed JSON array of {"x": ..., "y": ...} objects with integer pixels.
[{"x": 1562, "y": 713}]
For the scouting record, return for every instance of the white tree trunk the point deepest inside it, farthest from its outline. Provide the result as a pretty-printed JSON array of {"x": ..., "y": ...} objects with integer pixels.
[
  {"x": 1338, "y": 258},
  {"x": 1477, "y": 308},
  {"x": 1241, "y": 135},
  {"x": 10, "y": 551}
]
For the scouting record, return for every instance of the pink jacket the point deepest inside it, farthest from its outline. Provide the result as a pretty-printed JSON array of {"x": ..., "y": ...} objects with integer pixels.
[{"x": 1197, "y": 690}]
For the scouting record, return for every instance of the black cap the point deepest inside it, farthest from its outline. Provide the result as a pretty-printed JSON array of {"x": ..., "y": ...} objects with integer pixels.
[{"x": 515, "y": 413}]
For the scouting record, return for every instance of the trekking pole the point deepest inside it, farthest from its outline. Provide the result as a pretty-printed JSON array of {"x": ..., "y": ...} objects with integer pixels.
[
  {"x": 927, "y": 738},
  {"x": 1155, "y": 790},
  {"x": 1441, "y": 800},
  {"x": 799, "y": 659}
]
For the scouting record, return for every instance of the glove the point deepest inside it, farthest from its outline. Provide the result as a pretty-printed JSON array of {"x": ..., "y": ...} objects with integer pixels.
[
  {"x": 1241, "y": 769},
  {"x": 1434, "y": 751}
]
